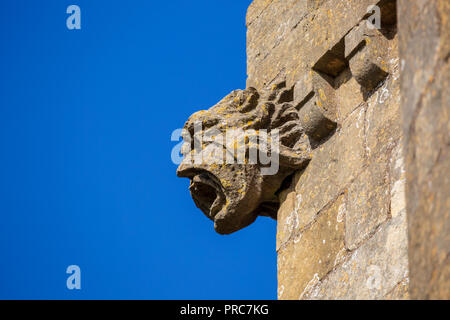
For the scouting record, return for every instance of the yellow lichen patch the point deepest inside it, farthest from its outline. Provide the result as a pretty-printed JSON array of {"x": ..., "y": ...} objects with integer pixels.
[
  {"x": 225, "y": 183},
  {"x": 322, "y": 95}
]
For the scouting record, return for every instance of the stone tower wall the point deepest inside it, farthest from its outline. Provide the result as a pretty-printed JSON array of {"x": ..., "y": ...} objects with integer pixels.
[
  {"x": 424, "y": 42},
  {"x": 342, "y": 227}
]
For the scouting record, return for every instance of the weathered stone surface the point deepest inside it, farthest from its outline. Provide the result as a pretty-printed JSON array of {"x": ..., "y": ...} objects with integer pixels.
[
  {"x": 358, "y": 37},
  {"x": 351, "y": 73},
  {"x": 325, "y": 93},
  {"x": 365, "y": 49},
  {"x": 400, "y": 292},
  {"x": 320, "y": 246},
  {"x": 272, "y": 25},
  {"x": 383, "y": 118},
  {"x": 255, "y": 9},
  {"x": 397, "y": 181},
  {"x": 348, "y": 97},
  {"x": 428, "y": 184},
  {"x": 418, "y": 45},
  {"x": 365, "y": 69},
  {"x": 368, "y": 203},
  {"x": 303, "y": 45},
  {"x": 287, "y": 217},
  {"x": 334, "y": 165},
  {"x": 424, "y": 53},
  {"x": 313, "y": 119},
  {"x": 303, "y": 89},
  {"x": 373, "y": 271}
]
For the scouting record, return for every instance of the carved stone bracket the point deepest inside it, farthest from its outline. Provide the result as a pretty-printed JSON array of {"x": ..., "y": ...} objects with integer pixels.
[{"x": 234, "y": 194}]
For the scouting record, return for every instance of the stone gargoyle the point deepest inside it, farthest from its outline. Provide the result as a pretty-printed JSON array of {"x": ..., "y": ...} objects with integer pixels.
[{"x": 234, "y": 193}]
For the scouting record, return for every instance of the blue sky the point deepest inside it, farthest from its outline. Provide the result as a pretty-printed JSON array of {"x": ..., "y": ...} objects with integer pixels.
[{"x": 85, "y": 171}]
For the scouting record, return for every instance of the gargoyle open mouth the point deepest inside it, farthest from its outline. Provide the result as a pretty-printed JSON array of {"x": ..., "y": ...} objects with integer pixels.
[
  {"x": 207, "y": 194},
  {"x": 206, "y": 191}
]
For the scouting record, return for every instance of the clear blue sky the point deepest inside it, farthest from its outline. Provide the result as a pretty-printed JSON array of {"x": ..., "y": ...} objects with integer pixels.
[{"x": 85, "y": 171}]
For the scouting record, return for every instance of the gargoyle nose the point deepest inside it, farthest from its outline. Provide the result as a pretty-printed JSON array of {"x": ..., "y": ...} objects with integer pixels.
[{"x": 186, "y": 170}]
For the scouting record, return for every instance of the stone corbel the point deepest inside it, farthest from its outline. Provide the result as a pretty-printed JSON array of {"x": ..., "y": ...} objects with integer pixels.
[{"x": 234, "y": 194}]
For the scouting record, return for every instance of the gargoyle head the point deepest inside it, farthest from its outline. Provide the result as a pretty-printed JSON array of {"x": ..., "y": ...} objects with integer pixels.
[{"x": 238, "y": 153}]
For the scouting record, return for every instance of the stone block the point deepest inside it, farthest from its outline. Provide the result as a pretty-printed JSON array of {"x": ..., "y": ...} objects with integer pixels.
[
  {"x": 333, "y": 166},
  {"x": 397, "y": 181},
  {"x": 373, "y": 271},
  {"x": 287, "y": 217},
  {"x": 400, "y": 291},
  {"x": 303, "y": 89},
  {"x": 255, "y": 9},
  {"x": 313, "y": 120},
  {"x": 289, "y": 55},
  {"x": 428, "y": 191},
  {"x": 383, "y": 120},
  {"x": 312, "y": 253},
  {"x": 348, "y": 97},
  {"x": 367, "y": 204}
]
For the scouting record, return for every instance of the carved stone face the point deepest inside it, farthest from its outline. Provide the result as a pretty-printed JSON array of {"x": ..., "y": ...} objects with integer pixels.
[{"x": 234, "y": 193}]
